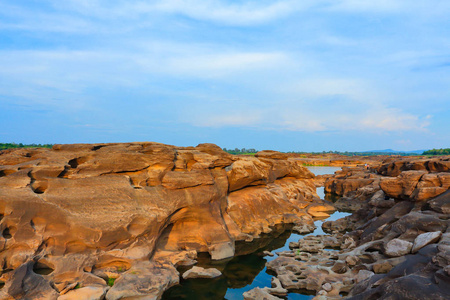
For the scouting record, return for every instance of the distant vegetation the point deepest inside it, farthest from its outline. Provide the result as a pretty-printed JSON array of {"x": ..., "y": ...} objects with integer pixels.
[
  {"x": 370, "y": 153},
  {"x": 4, "y": 146},
  {"x": 242, "y": 151},
  {"x": 252, "y": 151},
  {"x": 445, "y": 151}
]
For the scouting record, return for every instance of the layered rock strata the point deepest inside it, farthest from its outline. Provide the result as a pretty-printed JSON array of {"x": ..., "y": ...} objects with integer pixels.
[{"x": 114, "y": 220}]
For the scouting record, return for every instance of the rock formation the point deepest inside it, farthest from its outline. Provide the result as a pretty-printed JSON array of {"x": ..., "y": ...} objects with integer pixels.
[
  {"x": 114, "y": 220},
  {"x": 396, "y": 244}
]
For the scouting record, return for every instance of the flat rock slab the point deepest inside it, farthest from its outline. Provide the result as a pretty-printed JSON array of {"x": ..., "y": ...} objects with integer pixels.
[
  {"x": 199, "y": 272},
  {"x": 424, "y": 239}
]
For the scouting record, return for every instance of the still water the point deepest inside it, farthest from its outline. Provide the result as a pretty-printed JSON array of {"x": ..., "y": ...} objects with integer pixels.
[{"x": 243, "y": 273}]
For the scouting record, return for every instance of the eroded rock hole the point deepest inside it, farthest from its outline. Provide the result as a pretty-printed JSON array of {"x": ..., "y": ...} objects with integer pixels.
[
  {"x": 64, "y": 173},
  {"x": 7, "y": 233},
  {"x": 43, "y": 268},
  {"x": 6, "y": 172},
  {"x": 95, "y": 148},
  {"x": 2, "y": 284},
  {"x": 74, "y": 163},
  {"x": 39, "y": 187}
]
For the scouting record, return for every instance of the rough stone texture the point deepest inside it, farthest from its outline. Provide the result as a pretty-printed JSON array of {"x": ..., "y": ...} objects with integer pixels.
[
  {"x": 199, "y": 272},
  {"x": 400, "y": 178},
  {"x": 403, "y": 185},
  {"x": 424, "y": 239},
  {"x": 397, "y": 247},
  {"x": 85, "y": 293},
  {"x": 363, "y": 275},
  {"x": 441, "y": 204},
  {"x": 90, "y": 212}
]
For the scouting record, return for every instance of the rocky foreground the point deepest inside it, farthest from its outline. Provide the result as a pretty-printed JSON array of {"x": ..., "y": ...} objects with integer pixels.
[
  {"x": 115, "y": 220},
  {"x": 396, "y": 244}
]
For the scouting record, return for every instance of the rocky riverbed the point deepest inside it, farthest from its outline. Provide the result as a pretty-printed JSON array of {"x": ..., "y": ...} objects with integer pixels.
[{"x": 396, "y": 244}]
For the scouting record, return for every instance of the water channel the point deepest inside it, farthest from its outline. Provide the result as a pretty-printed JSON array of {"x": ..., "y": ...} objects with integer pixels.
[{"x": 245, "y": 272}]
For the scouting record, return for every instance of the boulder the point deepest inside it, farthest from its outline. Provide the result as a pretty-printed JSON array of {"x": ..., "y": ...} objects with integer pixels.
[
  {"x": 397, "y": 247},
  {"x": 441, "y": 203},
  {"x": 145, "y": 279},
  {"x": 424, "y": 239},
  {"x": 199, "y": 272}
]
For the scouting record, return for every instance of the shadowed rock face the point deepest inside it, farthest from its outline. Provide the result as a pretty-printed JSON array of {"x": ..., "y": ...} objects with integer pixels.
[{"x": 89, "y": 213}]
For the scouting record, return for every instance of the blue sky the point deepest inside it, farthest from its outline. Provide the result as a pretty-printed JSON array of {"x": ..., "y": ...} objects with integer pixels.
[{"x": 287, "y": 75}]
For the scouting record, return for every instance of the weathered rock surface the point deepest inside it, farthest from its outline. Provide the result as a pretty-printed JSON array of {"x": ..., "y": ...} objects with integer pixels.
[
  {"x": 395, "y": 245},
  {"x": 90, "y": 213}
]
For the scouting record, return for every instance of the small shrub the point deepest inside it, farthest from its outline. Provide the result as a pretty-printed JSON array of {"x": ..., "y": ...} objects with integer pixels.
[{"x": 111, "y": 281}]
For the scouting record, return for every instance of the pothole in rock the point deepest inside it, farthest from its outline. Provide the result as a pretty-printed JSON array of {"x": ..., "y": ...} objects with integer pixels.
[
  {"x": 74, "y": 163},
  {"x": 39, "y": 187},
  {"x": 6, "y": 172},
  {"x": 43, "y": 268},
  {"x": 8, "y": 232}
]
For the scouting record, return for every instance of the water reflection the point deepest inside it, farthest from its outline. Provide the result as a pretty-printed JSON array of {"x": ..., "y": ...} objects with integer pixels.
[
  {"x": 240, "y": 274},
  {"x": 247, "y": 270}
]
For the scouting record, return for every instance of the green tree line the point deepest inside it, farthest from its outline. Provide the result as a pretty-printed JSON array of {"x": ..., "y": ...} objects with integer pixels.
[
  {"x": 4, "y": 146},
  {"x": 445, "y": 151},
  {"x": 237, "y": 151}
]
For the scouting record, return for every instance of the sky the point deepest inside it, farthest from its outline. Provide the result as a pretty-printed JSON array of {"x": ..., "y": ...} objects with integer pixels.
[{"x": 311, "y": 75}]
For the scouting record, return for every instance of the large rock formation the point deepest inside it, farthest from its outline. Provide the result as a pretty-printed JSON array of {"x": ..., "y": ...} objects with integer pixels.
[
  {"x": 86, "y": 217},
  {"x": 395, "y": 245}
]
